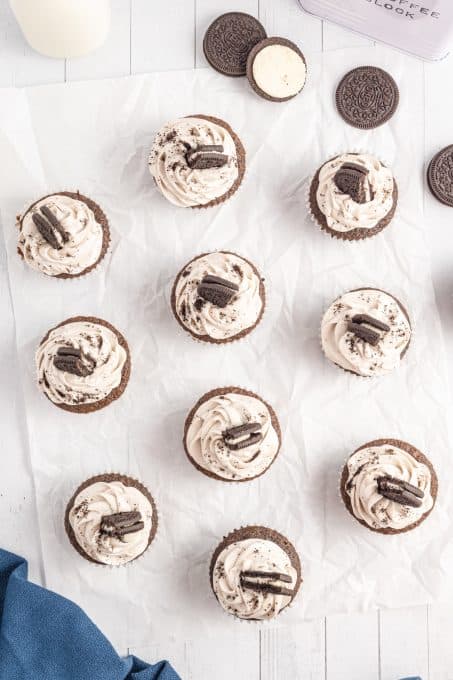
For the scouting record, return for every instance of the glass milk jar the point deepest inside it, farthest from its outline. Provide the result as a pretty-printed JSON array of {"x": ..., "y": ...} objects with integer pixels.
[
  {"x": 63, "y": 28},
  {"x": 423, "y": 28}
]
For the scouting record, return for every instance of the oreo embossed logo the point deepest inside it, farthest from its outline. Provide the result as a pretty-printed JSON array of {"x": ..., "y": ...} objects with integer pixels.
[{"x": 406, "y": 8}]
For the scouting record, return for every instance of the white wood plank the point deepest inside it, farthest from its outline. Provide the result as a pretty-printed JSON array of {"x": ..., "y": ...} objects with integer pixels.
[
  {"x": 286, "y": 19},
  {"x": 404, "y": 643},
  {"x": 114, "y": 57},
  {"x": 162, "y": 35},
  {"x": 294, "y": 652},
  {"x": 440, "y": 634},
  {"x": 352, "y": 647},
  {"x": 335, "y": 38}
]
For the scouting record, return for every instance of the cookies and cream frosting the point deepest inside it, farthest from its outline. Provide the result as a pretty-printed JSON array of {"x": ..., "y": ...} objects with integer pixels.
[
  {"x": 103, "y": 359},
  {"x": 230, "y": 578},
  {"x": 344, "y": 214},
  {"x": 100, "y": 500},
  {"x": 181, "y": 184},
  {"x": 353, "y": 353},
  {"x": 279, "y": 71},
  {"x": 207, "y": 441},
  {"x": 81, "y": 247},
  {"x": 371, "y": 463},
  {"x": 200, "y": 316}
]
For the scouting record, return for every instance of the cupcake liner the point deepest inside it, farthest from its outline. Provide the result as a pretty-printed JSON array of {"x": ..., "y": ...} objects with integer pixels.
[
  {"x": 112, "y": 476},
  {"x": 115, "y": 394},
  {"x": 343, "y": 236},
  {"x": 235, "y": 338},
  {"x": 369, "y": 378},
  {"x": 413, "y": 451},
  {"x": 239, "y": 390},
  {"x": 281, "y": 540},
  {"x": 106, "y": 251}
]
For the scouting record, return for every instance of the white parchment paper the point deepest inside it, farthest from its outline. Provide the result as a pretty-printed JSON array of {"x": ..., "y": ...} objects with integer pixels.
[{"x": 95, "y": 137}]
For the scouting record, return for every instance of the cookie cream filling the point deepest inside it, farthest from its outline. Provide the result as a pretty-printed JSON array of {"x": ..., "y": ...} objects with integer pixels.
[
  {"x": 279, "y": 71},
  {"x": 344, "y": 214},
  {"x": 252, "y": 555},
  {"x": 369, "y": 464},
  {"x": 202, "y": 317},
  {"x": 102, "y": 352},
  {"x": 100, "y": 500},
  {"x": 207, "y": 446},
  {"x": 80, "y": 251},
  {"x": 180, "y": 184},
  {"x": 355, "y": 354}
]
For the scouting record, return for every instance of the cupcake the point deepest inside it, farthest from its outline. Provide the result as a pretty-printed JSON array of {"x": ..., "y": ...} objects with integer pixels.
[
  {"x": 389, "y": 486},
  {"x": 353, "y": 196},
  {"x": 111, "y": 519},
  {"x": 83, "y": 364},
  {"x": 232, "y": 435},
  {"x": 218, "y": 297},
  {"x": 255, "y": 573},
  {"x": 366, "y": 332},
  {"x": 64, "y": 235},
  {"x": 197, "y": 161}
]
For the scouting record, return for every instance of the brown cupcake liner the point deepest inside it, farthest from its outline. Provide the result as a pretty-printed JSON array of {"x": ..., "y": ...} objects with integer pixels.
[
  {"x": 368, "y": 378},
  {"x": 127, "y": 480},
  {"x": 258, "y": 531},
  {"x": 100, "y": 217},
  {"x": 275, "y": 40},
  {"x": 354, "y": 235},
  {"x": 125, "y": 375},
  {"x": 227, "y": 390},
  {"x": 206, "y": 339},
  {"x": 415, "y": 453}
]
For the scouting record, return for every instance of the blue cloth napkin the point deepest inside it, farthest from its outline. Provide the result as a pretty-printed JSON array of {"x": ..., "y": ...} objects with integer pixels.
[{"x": 44, "y": 636}]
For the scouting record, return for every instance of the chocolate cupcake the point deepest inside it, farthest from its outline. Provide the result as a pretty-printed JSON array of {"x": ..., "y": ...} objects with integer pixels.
[
  {"x": 353, "y": 196},
  {"x": 366, "y": 331},
  {"x": 83, "y": 364},
  {"x": 64, "y": 235},
  {"x": 111, "y": 519},
  {"x": 218, "y": 297},
  {"x": 389, "y": 486},
  {"x": 232, "y": 435},
  {"x": 255, "y": 573},
  {"x": 197, "y": 162}
]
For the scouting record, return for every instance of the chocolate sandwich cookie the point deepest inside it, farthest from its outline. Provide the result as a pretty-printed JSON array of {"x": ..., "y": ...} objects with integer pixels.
[
  {"x": 255, "y": 573},
  {"x": 83, "y": 364},
  {"x": 367, "y": 97},
  {"x": 440, "y": 176},
  {"x": 229, "y": 40},
  {"x": 111, "y": 519},
  {"x": 276, "y": 69},
  {"x": 389, "y": 486},
  {"x": 64, "y": 235}
]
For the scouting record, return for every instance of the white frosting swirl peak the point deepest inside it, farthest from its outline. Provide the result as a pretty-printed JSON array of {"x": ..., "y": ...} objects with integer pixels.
[
  {"x": 180, "y": 184},
  {"x": 83, "y": 247},
  {"x": 354, "y": 354},
  {"x": 205, "y": 436}
]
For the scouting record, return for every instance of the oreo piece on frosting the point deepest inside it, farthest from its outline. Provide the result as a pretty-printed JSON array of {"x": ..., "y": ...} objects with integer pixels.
[
  {"x": 440, "y": 176},
  {"x": 228, "y": 41},
  {"x": 367, "y": 97},
  {"x": 276, "y": 69}
]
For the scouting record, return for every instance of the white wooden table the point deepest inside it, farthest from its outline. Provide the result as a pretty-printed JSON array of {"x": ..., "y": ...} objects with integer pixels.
[{"x": 158, "y": 35}]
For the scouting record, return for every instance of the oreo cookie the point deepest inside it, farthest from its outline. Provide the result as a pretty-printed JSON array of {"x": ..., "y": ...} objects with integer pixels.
[
  {"x": 367, "y": 97},
  {"x": 229, "y": 40},
  {"x": 276, "y": 69},
  {"x": 440, "y": 176}
]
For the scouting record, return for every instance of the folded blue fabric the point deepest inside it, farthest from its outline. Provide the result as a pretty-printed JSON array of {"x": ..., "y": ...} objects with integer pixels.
[{"x": 44, "y": 636}]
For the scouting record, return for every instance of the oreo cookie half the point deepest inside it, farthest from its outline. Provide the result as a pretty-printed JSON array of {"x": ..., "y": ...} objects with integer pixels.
[
  {"x": 367, "y": 97},
  {"x": 229, "y": 40},
  {"x": 440, "y": 176},
  {"x": 276, "y": 69}
]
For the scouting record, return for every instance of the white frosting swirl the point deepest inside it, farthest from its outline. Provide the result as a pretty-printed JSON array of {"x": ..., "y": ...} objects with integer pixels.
[
  {"x": 204, "y": 318},
  {"x": 206, "y": 446},
  {"x": 82, "y": 249},
  {"x": 366, "y": 466},
  {"x": 342, "y": 213},
  {"x": 180, "y": 184},
  {"x": 252, "y": 554},
  {"x": 108, "y": 498},
  {"x": 98, "y": 343},
  {"x": 354, "y": 354}
]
